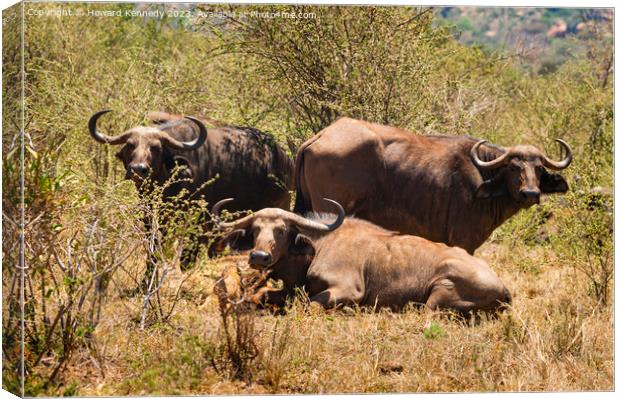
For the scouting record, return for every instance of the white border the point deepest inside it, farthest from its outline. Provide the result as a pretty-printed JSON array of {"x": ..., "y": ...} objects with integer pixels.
[{"x": 473, "y": 3}]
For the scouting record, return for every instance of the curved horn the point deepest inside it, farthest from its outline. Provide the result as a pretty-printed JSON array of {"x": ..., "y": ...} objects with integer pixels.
[
  {"x": 559, "y": 165},
  {"x": 333, "y": 226},
  {"x": 215, "y": 211},
  {"x": 300, "y": 221},
  {"x": 497, "y": 162},
  {"x": 100, "y": 137},
  {"x": 304, "y": 223},
  {"x": 188, "y": 145},
  {"x": 236, "y": 224}
]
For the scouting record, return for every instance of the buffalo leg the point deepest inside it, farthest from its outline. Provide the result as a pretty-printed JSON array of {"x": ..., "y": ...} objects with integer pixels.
[
  {"x": 446, "y": 298},
  {"x": 467, "y": 296},
  {"x": 325, "y": 299},
  {"x": 333, "y": 297}
]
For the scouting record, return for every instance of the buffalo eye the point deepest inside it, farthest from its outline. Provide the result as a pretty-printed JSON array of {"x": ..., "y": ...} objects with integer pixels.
[
  {"x": 155, "y": 149},
  {"x": 127, "y": 149}
]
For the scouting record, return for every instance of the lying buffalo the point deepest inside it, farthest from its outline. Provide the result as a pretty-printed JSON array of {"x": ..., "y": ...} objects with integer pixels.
[
  {"x": 454, "y": 190},
  {"x": 354, "y": 262},
  {"x": 244, "y": 163}
]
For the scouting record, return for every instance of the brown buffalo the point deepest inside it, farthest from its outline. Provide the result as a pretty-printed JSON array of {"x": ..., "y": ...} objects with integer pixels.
[
  {"x": 454, "y": 190},
  {"x": 354, "y": 262},
  {"x": 243, "y": 162}
]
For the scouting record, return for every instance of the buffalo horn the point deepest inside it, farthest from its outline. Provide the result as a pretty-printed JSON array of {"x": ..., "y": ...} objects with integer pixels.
[
  {"x": 236, "y": 224},
  {"x": 188, "y": 145},
  {"x": 299, "y": 221},
  {"x": 215, "y": 211},
  {"x": 304, "y": 223},
  {"x": 497, "y": 162},
  {"x": 100, "y": 137},
  {"x": 559, "y": 165}
]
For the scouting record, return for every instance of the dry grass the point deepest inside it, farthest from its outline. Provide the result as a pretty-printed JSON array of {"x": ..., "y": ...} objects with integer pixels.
[{"x": 555, "y": 338}]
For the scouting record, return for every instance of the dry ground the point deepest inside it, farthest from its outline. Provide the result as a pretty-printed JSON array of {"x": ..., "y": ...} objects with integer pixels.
[{"x": 555, "y": 338}]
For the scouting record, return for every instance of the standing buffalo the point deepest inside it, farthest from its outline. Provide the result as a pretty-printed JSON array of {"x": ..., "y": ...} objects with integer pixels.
[
  {"x": 455, "y": 190},
  {"x": 354, "y": 262},
  {"x": 244, "y": 163}
]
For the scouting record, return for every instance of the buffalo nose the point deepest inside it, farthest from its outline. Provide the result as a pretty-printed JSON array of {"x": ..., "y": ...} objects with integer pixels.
[
  {"x": 139, "y": 168},
  {"x": 532, "y": 195},
  {"x": 261, "y": 258}
]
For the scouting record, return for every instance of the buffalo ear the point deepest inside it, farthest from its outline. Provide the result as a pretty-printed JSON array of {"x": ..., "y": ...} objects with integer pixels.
[
  {"x": 237, "y": 240},
  {"x": 301, "y": 245},
  {"x": 491, "y": 189},
  {"x": 552, "y": 183}
]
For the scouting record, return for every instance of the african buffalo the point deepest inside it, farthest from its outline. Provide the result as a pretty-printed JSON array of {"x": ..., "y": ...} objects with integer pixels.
[
  {"x": 454, "y": 190},
  {"x": 354, "y": 262},
  {"x": 243, "y": 162}
]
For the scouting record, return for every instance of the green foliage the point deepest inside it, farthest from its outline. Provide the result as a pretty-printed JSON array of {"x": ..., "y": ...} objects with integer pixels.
[
  {"x": 174, "y": 371},
  {"x": 463, "y": 24},
  {"x": 585, "y": 239},
  {"x": 527, "y": 227},
  {"x": 433, "y": 331},
  {"x": 374, "y": 63}
]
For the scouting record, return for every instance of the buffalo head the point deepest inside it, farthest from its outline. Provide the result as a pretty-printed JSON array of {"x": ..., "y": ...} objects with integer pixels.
[
  {"x": 146, "y": 149},
  {"x": 276, "y": 233},
  {"x": 521, "y": 172}
]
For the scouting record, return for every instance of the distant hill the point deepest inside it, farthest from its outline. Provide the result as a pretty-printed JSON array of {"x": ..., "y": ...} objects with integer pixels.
[{"x": 547, "y": 37}]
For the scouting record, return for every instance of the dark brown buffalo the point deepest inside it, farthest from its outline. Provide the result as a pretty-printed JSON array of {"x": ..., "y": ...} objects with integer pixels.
[
  {"x": 244, "y": 163},
  {"x": 454, "y": 190},
  {"x": 354, "y": 262}
]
